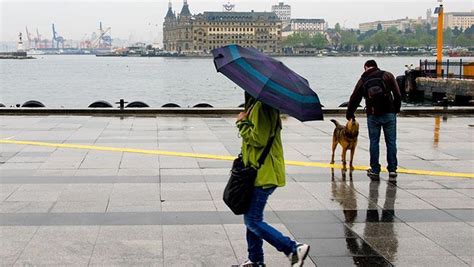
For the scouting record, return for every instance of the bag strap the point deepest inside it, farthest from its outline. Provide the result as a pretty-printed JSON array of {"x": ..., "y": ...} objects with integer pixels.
[{"x": 266, "y": 151}]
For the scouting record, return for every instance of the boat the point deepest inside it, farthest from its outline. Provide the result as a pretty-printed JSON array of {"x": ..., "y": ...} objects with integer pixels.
[{"x": 35, "y": 52}]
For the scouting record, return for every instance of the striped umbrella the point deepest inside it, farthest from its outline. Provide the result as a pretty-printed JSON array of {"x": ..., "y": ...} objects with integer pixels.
[{"x": 269, "y": 81}]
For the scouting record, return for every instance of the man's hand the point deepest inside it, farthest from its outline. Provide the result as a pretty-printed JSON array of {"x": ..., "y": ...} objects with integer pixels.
[{"x": 242, "y": 116}]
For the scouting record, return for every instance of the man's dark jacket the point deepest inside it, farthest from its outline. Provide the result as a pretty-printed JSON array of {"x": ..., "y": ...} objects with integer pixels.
[{"x": 358, "y": 94}]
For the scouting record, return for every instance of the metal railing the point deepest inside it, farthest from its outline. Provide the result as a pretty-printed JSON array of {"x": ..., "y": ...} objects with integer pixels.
[{"x": 449, "y": 69}]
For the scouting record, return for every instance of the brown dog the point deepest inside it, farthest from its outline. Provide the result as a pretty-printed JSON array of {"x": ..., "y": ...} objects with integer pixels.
[{"x": 346, "y": 136}]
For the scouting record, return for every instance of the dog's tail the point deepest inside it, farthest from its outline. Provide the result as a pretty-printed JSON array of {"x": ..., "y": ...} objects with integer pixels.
[{"x": 336, "y": 123}]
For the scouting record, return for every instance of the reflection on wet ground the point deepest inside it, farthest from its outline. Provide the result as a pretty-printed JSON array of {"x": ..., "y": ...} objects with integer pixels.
[
  {"x": 344, "y": 193},
  {"x": 436, "y": 131},
  {"x": 375, "y": 233}
]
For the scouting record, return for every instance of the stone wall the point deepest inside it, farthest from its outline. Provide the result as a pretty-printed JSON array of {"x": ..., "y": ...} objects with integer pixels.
[{"x": 451, "y": 88}]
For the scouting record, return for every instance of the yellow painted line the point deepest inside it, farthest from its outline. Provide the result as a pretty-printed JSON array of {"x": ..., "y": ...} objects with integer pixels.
[{"x": 218, "y": 157}]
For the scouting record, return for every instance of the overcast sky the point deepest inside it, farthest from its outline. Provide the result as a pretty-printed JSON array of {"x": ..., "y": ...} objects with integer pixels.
[{"x": 143, "y": 19}]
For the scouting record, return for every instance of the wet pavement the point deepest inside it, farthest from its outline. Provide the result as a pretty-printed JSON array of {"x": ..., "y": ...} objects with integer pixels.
[{"x": 65, "y": 206}]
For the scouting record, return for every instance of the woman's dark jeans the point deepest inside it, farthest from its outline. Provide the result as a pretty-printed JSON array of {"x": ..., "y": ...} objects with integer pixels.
[{"x": 258, "y": 230}]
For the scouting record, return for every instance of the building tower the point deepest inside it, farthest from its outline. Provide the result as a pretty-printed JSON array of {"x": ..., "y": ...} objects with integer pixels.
[
  {"x": 184, "y": 30},
  {"x": 283, "y": 12},
  {"x": 185, "y": 10},
  {"x": 168, "y": 29}
]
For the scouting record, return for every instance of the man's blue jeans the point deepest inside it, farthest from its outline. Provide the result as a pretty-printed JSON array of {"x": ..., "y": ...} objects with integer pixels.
[
  {"x": 258, "y": 230},
  {"x": 387, "y": 122}
]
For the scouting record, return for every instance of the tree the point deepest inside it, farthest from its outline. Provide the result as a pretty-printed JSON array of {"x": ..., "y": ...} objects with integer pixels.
[
  {"x": 319, "y": 41},
  {"x": 469, "y": 30},
  {"x": 448, "y": 37},
  {"x": 337, "y": 27},
  {"x": 462, "y": 40},
  {"x": 348, "y": 40},
  {"x": 380, "y": 39},
  {"x": 457, "y": 32},
  {"x": 297, "y": 39},
  {"x": 379, "y": 27}
]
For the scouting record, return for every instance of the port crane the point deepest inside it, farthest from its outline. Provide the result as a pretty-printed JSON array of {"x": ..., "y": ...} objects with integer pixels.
[
  {"x": 28, "y": 36},
  {"x": 102, "y": 40},
  {"x": 57, "y": 38},
  {"x": 105, "y": 40},
  {"x": 42, "y": 43}
]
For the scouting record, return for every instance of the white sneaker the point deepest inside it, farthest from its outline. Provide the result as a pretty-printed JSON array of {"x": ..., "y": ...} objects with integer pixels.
[{"x": 297, "y": 259}]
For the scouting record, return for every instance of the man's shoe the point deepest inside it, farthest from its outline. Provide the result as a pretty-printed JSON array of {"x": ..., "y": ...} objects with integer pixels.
[
  {"x": 392, "y": 177},
  {"x": 249, "y": 263},
  {"x": 372, "y": 175},
  {"x": 297, "y": 258}
]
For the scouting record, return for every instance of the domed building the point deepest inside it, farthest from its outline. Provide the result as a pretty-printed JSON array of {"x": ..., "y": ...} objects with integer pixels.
[{"x": 199, "y": 34}]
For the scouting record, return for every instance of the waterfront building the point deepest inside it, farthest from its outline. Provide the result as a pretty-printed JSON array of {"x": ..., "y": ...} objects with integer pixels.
[
  {"x": 310, "y": 26},
  {"x": 461, "y": 20},
  {"x": 283, "y": 11},
  {"x": 399, "y": 24},
  {"x": 199, "y": 34}
]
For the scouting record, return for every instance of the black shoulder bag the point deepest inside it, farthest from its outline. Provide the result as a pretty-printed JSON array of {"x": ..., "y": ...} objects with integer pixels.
[{"x": 239, "y": 189}]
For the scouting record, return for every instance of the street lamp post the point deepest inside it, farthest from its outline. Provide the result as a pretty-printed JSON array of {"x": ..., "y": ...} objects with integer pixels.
[{"x": 439, "y": 41}]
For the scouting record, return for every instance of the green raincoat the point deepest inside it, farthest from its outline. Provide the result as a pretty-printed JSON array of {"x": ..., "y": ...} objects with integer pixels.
[{"x": 255, "y": 132}]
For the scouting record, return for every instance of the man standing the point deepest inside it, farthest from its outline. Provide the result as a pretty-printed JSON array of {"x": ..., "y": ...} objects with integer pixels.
[{"x": 383, "y": 101}]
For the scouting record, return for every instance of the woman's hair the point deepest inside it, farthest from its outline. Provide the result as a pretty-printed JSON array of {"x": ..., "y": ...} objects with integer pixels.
[{"x": 249, "y": 101}]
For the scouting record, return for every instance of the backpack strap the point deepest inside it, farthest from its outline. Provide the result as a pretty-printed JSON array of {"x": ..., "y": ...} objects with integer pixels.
[{"x": 267, "y": 148}]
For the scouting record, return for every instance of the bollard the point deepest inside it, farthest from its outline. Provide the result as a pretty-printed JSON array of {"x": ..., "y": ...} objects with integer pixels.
[
  {"x": 447, "y": 69},
  {"x": 32, "y": 104},
  {"x": 100, "y": 104},
  {"x": 445, "y": 108},
  {"x": 137, "y": 104},
  {"x": 121, "y": 103}
]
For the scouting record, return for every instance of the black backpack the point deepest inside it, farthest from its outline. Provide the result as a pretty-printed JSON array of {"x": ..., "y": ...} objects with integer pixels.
[{"x": 377, "y": 95}]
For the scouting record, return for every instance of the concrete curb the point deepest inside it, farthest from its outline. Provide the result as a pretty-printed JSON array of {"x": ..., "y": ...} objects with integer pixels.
[{"x": 415, "y": 111}]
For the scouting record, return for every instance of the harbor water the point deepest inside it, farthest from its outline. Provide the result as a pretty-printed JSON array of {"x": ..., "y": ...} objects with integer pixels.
[{"x": 77, "y": 81}]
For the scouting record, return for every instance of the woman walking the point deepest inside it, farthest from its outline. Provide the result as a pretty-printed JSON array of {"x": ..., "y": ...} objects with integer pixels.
[{"x": 257, "y": 125}]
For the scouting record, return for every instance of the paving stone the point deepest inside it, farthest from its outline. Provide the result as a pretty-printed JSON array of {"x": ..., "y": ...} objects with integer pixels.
[
  {"x": 134, "y": 206},
  {"x": 65, "y": 245},
  {"x": 86, "y": 192},
  {"x": 79, "y": 206},
  {"x": 25, "y": 206},
  {"x": 466, "y": 215},
  {"x": 428, "y": 261},
  {"x": 456, "y": 237},
  {"x": 351, "y": 261},
  {"x": 393, "y": 247},
  {"x": 196, "y": 245},
  {"x": 452, "y": 203},
  {"x": 188, "y": 206}
]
